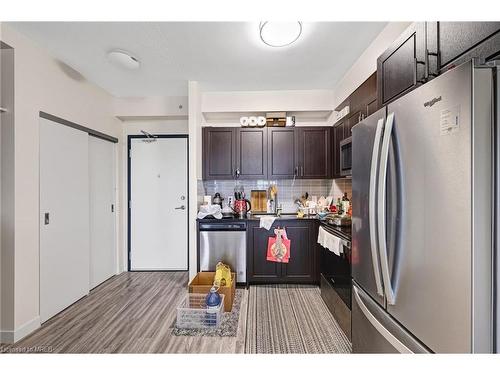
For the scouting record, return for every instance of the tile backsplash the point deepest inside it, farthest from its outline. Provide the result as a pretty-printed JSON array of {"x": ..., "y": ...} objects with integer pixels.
[{"x": 288, "y": 190}]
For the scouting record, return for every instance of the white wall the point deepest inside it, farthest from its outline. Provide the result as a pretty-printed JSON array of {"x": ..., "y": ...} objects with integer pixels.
[
  {"x": 195, "y": 163},
  {"x": 174, "y": 107},
  {"x": 7, "y": 190},
  {"x": 42, "y": 85},
  {"x": 366, "y": 64},
  {"x": 267, "y": 101},
  {"x": 132, "y": 127}
]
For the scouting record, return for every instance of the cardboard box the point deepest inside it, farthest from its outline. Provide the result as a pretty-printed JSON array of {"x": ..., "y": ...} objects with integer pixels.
[{"x": 202, "y": 283}]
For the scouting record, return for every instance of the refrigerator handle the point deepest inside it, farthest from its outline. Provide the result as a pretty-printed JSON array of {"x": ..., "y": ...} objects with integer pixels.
[
  {"x": 371, "y": 206},
  {"x": 384, "y": 262},
  {"x": 393, "y": 340}
]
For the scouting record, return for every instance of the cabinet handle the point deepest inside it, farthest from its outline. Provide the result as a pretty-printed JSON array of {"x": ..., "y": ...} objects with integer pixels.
[
  {"x": 302, "y": 171},
  {"x": 427, "y": 70},
  {"x": 237, "y": 172},
  {"x": 296, "y": 171},
  {"x": 415, "y": 77}
]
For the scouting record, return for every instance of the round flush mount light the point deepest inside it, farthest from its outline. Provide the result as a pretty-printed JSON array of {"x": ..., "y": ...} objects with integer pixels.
[
  {"x": 123, "y": 59},
  {"x": 280, "y": 34}
]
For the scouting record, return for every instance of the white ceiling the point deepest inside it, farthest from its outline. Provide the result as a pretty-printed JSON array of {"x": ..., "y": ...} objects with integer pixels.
[{"x": 220, "y": 55}]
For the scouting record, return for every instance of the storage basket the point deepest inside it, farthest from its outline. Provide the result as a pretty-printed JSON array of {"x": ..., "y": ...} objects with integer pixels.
[{"x": 193, "y": 312}]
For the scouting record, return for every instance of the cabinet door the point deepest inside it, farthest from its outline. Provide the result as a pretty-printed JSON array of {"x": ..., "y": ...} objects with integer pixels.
[
  {"x": 259, "y": 268},
  {"x": 314, "y": 152},
  {"x": 452, "y": 43},
  {"x": 300, "y": 267},
  {"x": 353, "y": 120},
  {"x": 371, "y": 107},
  {"x": 401, "y": 68},
  {"x": 219, "y": 149},
  {"x": 251, "y": 153},
  {"x": 282, "y": 161},
  {"x": 338, "y": 136}
]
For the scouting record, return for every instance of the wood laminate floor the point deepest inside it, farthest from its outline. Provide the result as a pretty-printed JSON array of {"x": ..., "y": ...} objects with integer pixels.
[{"x": 130, "y": 313}]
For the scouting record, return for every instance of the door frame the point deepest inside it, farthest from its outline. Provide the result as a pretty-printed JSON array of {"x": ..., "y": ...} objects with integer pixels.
[{"x": 130, "y": 137}]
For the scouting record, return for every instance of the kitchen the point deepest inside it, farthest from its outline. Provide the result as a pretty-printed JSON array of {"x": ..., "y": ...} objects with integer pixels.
[{"x": 318, "y": 211}]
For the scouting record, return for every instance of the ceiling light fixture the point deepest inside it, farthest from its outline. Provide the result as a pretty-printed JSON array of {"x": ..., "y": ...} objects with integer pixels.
[
  {"x": 123, "y": 59},
  {"x": 280, "y": 34}
]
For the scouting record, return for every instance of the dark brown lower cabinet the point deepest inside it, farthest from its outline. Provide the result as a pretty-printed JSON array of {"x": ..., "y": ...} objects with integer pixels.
[{"x": 302, "y": 266}]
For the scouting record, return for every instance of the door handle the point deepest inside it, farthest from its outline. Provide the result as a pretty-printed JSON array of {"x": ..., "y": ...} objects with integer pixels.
[
  {"x": 46, "y": 218},
  {"x": 382, "y": 186},
  {"x": 180, "y": 207},
  {"x": 371, "y": 206}
]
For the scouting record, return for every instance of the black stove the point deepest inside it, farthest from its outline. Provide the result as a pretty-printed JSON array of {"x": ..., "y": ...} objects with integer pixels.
[{"x": 335, "y": 269}]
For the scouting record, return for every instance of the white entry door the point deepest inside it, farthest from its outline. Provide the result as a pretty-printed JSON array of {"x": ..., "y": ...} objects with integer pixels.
[
  {"x": 158, "y": 204},
  {"x": 102, "y": 210},
  {"x": 64, "y": 217}
]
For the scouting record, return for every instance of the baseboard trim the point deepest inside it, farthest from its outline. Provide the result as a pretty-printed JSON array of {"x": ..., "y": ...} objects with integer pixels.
[{"x": 11, "y": 337}]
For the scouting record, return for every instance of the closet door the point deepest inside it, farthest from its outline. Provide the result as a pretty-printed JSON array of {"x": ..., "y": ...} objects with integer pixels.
[
  {"x": 102, "y": 210},
  {"x": 64, "y": 217}
]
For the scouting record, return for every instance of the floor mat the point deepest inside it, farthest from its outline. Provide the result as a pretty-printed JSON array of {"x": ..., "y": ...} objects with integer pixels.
[{"x": 291, "y": 319}]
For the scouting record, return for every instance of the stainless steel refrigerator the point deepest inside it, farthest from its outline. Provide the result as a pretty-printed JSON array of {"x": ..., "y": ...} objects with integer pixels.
[{"x": 423, "y": 188}]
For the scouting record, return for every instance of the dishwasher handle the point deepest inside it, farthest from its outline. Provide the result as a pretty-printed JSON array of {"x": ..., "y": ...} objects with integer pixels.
[{"x": 222, "y": 227}]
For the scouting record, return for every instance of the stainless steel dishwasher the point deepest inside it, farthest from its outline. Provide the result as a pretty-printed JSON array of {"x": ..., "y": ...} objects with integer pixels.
[{"x": 224, "y": 242}]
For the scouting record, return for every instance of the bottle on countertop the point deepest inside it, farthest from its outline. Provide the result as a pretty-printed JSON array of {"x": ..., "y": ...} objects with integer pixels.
[
  {"x": 346, "y": 204},
  {"x": 339, "y": 207}
]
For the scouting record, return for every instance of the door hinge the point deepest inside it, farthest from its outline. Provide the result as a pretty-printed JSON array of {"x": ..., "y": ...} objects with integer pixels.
[{"x": 112, "y": 207}]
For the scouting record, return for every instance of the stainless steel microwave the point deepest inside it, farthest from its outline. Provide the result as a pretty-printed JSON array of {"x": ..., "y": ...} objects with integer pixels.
[{"x": 345, "y": 157}]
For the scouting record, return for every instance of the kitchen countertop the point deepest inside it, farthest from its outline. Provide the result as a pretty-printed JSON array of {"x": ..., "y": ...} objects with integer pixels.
[{"x": 344, "y": 231}]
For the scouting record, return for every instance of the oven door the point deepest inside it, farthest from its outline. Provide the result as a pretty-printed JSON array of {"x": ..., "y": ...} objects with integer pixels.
[
  {"x": 345, "y": 157},
  {"x": 336, "y": 270}
]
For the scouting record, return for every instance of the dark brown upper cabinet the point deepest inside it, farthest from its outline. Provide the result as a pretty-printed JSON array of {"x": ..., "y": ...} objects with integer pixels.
[
  {"x": 451, "y": 43},
  {"x": 362, "y": 103},
  {"x": 401, "y": 68},
  {"x": 219, "y": 150},
  {"x": 282, "y": 160},
  {"x": 267, "y": 153},
  {"x": 251, "y": 153},
  {"x": 314, "y": 152},
  {"x": 427, "y": 49}
]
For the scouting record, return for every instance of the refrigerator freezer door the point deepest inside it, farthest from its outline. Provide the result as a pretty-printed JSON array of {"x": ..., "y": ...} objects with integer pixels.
[
  {"x": 430, "y": 261},
  {"x": 374, "y": 331},
  {"x": 366, "y": 140}
]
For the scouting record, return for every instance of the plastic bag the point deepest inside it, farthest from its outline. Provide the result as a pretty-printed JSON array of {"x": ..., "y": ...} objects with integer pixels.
[{"x": 223, "y": 275}]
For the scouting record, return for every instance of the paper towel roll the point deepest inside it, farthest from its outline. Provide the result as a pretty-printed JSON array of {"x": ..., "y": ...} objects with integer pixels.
[
  {"x": 244, "y": 121},
  {"x": 261, "y": 121},
  {"x": 252, "y": 121}
]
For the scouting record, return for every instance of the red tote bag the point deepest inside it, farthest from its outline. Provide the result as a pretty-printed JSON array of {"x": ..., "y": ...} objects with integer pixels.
[{"x": 278, "y": 247}]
